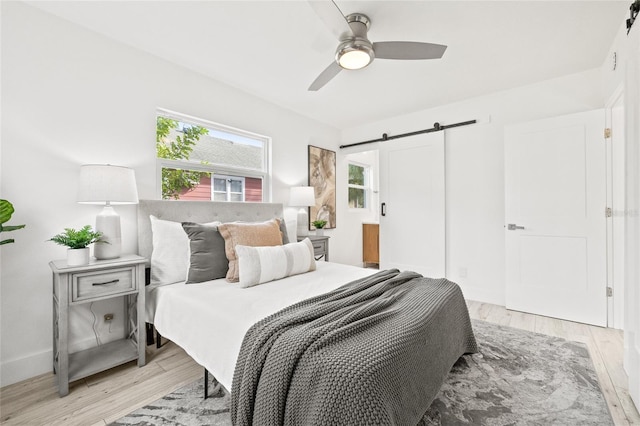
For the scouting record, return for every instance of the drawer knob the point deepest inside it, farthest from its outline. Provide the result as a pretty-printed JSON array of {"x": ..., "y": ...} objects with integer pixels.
[{"x": 107, "y": 282}]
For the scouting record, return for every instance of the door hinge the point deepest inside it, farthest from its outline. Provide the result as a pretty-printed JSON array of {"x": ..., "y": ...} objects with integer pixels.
[
  {"x": 608, "y": 212},
  {"x": 607, "y": 132},
  {"x": 609, "y": 292}
]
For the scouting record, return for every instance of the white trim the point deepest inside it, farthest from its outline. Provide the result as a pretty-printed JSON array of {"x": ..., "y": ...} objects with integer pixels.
[
  {"x": 615, "y": 248},
  {"x": 366, "y": 187},
  {"x": 16, "y": 370}
]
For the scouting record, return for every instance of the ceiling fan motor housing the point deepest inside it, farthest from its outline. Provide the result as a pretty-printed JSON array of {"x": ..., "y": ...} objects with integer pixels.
[{"x": 356, "y": 44}]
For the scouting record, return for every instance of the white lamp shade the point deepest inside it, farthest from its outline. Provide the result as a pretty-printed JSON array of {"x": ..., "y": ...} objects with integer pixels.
[
  {"x": 302, "y": 196},
  {"x": 107, "y": 184}
]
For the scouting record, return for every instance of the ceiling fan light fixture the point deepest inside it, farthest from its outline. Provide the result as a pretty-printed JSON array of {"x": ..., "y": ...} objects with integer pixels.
[{"x": 354, "y": 55}]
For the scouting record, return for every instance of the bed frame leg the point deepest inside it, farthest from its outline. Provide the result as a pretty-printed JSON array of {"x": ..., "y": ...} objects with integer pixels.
[
  {"x": 158, "y": 340},
  {"x": 206, "y": 383},
  {"x": 149, "y": 328},
  {"x": 217, "y": 388}
]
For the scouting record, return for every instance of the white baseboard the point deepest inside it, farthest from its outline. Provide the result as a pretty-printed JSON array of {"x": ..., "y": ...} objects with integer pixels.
[
  {"x": 30, "y": 366},
  {"x": 480, "y": 295},
  {"x": 35, "y": 364}
]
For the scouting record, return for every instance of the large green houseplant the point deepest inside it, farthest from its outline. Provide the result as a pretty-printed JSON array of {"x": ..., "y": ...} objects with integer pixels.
[{"x": 6, "y": 210}]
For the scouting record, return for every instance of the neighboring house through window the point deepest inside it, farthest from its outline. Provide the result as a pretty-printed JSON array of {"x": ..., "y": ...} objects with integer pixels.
[
  {"x": 202, "y": 160},
  {"x": 228, "y": 188},
  {"x": 359, "y": 185}
]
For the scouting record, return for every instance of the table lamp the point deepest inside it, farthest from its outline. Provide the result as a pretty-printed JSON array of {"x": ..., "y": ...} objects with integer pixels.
[
  {"x": 107, "y": 185},
  {"x": 303, "y": 197}
]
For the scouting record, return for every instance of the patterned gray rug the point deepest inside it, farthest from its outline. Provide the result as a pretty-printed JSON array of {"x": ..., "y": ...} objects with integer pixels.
[{"x": 517, "y": 378}]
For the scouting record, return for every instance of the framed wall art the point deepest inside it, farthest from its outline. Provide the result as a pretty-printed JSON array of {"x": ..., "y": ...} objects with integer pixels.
[{"x": 322, "y": 176}]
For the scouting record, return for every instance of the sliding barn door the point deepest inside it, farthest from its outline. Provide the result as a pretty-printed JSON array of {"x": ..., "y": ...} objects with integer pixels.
[
  {"x": 555, "y": 230},
  {"x": 412, "y": 220}
]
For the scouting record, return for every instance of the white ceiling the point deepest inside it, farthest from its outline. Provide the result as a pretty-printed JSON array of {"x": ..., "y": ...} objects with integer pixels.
[{"x": 275, "y": 49}]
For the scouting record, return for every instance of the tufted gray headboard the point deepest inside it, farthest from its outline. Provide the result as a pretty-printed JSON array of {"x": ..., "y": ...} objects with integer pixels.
[{"x": 198, "y": 211}]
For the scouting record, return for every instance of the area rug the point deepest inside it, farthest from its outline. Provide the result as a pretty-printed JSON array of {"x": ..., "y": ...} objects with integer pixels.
[{"x": 517, "y": 378}]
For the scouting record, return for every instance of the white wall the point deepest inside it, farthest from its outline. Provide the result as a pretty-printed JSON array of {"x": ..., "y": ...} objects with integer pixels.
[
  {"x": 475, "y": 169},
  {"x": 70, "y": 97}
]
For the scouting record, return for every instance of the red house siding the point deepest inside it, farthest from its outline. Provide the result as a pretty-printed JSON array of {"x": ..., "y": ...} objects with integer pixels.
[
  {"x": 202, "y": 192},
  {"x": 253, "y": 189}
]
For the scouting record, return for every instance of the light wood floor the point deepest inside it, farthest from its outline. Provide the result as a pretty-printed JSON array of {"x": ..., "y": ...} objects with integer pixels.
[{"x": 105, "y": 397}]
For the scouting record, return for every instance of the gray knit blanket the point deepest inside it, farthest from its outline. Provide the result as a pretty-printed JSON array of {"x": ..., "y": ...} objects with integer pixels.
[{"x": 372, "y": 352}]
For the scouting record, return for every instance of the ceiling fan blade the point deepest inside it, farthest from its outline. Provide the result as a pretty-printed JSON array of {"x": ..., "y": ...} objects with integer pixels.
[
  {"x": 325, "y": 76},
  {"x": 408, "y": 50},
  {"x": 333, "y": 18}
]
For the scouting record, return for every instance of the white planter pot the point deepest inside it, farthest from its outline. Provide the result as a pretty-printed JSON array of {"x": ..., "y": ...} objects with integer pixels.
[
  {"x": 78, "y": 257},
  {"x": 319, "y": 232}
]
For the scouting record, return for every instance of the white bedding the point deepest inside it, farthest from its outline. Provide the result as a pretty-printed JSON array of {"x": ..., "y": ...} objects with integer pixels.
[{"x": 209, "y": 320}]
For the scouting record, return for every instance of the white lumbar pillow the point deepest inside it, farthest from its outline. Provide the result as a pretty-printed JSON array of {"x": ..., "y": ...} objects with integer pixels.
[{"x": 263, "y": 264}]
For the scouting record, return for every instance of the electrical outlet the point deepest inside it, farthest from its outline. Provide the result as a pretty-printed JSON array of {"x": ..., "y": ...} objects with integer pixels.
[
  {"x": 462, "y": 272},
  {"x": 108, "y": 317}
]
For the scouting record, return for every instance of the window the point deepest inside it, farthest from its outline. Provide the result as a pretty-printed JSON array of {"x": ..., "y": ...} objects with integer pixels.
[
  {"x": 227, "y": 188},
  {"x": 358, "y": 186},
  {"x": 201, "y": 160}
]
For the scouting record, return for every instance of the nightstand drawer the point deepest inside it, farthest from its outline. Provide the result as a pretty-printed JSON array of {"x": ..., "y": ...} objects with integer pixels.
[
  {"x": 95, "y": 285},
  {"x": 319, "y": 247}
]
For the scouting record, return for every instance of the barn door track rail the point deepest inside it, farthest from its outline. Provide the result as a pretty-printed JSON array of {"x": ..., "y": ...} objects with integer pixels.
[{"x": 436, "y": 128}]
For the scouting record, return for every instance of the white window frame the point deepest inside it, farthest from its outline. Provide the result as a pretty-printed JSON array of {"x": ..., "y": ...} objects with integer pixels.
[
  {"x": 213, "y": 168},
  {"x": 366, "y": 186},
  {"x": 228, "y": 191}
]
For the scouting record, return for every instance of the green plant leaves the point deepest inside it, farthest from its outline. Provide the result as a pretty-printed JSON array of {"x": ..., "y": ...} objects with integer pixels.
[
  {"x": 319, "y": 223},
  {"x": 76, "y": 239},
  {"x": 6, "y": 211}
]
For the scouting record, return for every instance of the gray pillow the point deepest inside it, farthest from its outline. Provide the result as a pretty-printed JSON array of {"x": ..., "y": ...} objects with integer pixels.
[
  {"x": 208, "y": 260},
  {"x": 283, "y": 229}
]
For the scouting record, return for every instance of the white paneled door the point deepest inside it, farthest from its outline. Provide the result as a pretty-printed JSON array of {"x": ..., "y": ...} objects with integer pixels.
[
  {"x": 555, "y": 230},
  {"x": 412, "y": 220}
]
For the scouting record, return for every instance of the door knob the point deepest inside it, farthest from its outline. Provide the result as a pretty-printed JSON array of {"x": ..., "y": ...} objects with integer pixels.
[{"x": 513, "y": 227}]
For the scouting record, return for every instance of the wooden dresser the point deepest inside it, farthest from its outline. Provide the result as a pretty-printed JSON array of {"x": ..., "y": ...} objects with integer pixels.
[{"x": 370, "y": 243}]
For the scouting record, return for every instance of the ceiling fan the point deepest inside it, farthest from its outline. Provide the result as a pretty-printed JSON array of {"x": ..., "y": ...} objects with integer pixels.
[{"x": 355, "y": 51}]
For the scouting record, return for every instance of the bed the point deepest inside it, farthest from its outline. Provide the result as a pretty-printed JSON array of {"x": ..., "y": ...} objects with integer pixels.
[{"x": 234, "y": 333}]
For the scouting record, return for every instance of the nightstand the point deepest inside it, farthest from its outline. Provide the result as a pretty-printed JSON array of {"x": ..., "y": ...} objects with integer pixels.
[
  {"x": 320, "y": 245},
  {"x": 99, "y": 280}
]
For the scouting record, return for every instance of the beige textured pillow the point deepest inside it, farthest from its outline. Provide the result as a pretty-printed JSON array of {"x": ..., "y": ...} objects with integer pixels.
[{"x": 254, "y": 234}]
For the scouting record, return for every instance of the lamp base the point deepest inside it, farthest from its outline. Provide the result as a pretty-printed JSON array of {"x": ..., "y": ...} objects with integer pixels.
[
  {"x": 108, "y": 223},
  {"x": 303, "y": 223}
]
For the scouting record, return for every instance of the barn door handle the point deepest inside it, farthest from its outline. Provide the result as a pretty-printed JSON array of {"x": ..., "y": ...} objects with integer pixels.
[
  {"x": 383, "y": 209},
  {"x": 513, "y": 227}
]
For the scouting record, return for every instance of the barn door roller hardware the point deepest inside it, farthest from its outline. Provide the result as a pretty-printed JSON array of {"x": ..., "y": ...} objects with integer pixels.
[{"x": 436, "y": 128}]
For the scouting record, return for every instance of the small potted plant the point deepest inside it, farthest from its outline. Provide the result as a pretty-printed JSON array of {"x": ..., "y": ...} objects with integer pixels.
[
  {"x": 78, "y": 242},
  {"x": 319, "y": 225}
]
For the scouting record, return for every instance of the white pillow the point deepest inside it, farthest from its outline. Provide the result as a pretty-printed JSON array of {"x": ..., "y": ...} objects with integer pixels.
[
  {"x": 262, "y": 264},
  {"x": 170, "y": 255},
  {"x": 292, "y": 230}
]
